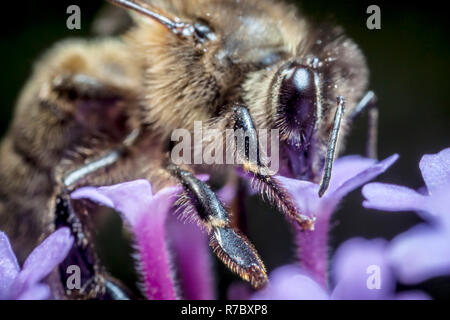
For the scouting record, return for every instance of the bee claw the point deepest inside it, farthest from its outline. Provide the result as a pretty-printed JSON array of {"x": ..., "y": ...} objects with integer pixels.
[
  {"x": 236, "y": 251},
  {"x": 258, "y": 277}
]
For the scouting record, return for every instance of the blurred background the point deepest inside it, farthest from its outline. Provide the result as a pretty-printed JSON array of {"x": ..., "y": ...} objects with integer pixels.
[{"x": 409, "y": 63}]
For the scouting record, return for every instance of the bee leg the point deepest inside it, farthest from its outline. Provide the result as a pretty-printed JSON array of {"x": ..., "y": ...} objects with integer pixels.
[
  {"x": 94, "y": 282},
  {"x": 368, "y": 102},
  {"x": 81, "y": 256},
  {"x": 250, "y": 157},
  {"x": 71, "y": 175},
  {"x": 331, "y": 149},
  {"x": 230, "y": 245}
]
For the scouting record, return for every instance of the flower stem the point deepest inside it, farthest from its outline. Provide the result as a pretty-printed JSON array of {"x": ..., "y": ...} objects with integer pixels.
[{"x": 313, "y": 250}]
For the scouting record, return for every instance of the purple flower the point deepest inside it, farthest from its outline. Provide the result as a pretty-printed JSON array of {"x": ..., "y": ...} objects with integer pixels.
[
  {"x": 172, "y": 257},
  {"x": 360, "y": 269},
  {"x": 422, "y": 252},
  {"x": 349, "y": 173},
  {"x": 26, "y": 283}
]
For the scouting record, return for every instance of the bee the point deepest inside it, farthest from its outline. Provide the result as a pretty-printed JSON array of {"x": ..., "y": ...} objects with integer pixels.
[
  {"x": 57, "y": 113},
  {"x": 101, "y": 112}
]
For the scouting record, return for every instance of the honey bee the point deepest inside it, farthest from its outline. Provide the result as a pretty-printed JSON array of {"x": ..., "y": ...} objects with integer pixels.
[{"x": 101, "y": 112}]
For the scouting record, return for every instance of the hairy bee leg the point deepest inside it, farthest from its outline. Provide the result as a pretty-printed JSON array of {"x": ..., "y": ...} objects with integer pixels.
[
  {"x": 230, "y": 245},
  {"x": 331, "y": 149},
  {"x": 269, "y": 186},
  {"x": 94, "y": 281},
  {"x": 82, "y": 256},
  {"x": 369, "y": 102},
  {"x": 94, "y": 165},
  {"x": 82, "y": 172},
  {"x": 95, "y": 284}
]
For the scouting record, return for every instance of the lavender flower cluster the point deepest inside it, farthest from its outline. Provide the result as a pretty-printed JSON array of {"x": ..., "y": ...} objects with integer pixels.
[{"x": 360, "y": 268}]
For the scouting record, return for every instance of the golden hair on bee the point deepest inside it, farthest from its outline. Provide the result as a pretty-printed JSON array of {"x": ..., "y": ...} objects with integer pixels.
[{"x": 197, "y": 70}]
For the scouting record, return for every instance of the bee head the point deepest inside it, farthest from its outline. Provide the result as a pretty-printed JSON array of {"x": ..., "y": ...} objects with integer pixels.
[
  {"x": 196, "y": 54},
  {"x": 298, "y": 96}
]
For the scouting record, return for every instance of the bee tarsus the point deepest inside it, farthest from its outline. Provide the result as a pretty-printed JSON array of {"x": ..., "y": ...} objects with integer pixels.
[
  {"x": 263, "y": 180},
  {"x": 230, "y": 245}
]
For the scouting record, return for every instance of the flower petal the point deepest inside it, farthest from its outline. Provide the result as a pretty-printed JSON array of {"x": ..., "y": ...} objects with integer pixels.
[
  {"x": 362, "y": 177},
  {"x": 93, "y": 194},
  {"x": 9, "y": 268},
  {"x": 420, "y": 253},
  {"x": 348, "y": 167},
  {"x": 361, "y": 271},
  {"x": 291, "y": 283},
  {"x": 436, "y": 170},
  {"x": 130, "y": 198},
  {"x": 390, "y": 197},
  {"x": 36, "y": 292},
  {"x": 349, "y": 173},
  {"x": 304, "y": 193},
  {"x": 146, "y": 214},
  {"x": 42, "y": 260}
]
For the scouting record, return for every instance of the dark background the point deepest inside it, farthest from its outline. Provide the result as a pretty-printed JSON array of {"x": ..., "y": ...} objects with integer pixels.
[{"x": 409, "y": 62}]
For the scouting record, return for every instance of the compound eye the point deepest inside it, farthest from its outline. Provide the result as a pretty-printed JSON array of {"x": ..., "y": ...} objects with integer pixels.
[{"x": 203, "y": 32}]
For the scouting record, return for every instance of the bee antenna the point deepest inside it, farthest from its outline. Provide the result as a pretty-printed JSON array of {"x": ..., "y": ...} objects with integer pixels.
[
  {"x": 149, "y": 11},
  {"x": 331, "y": 149}
]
